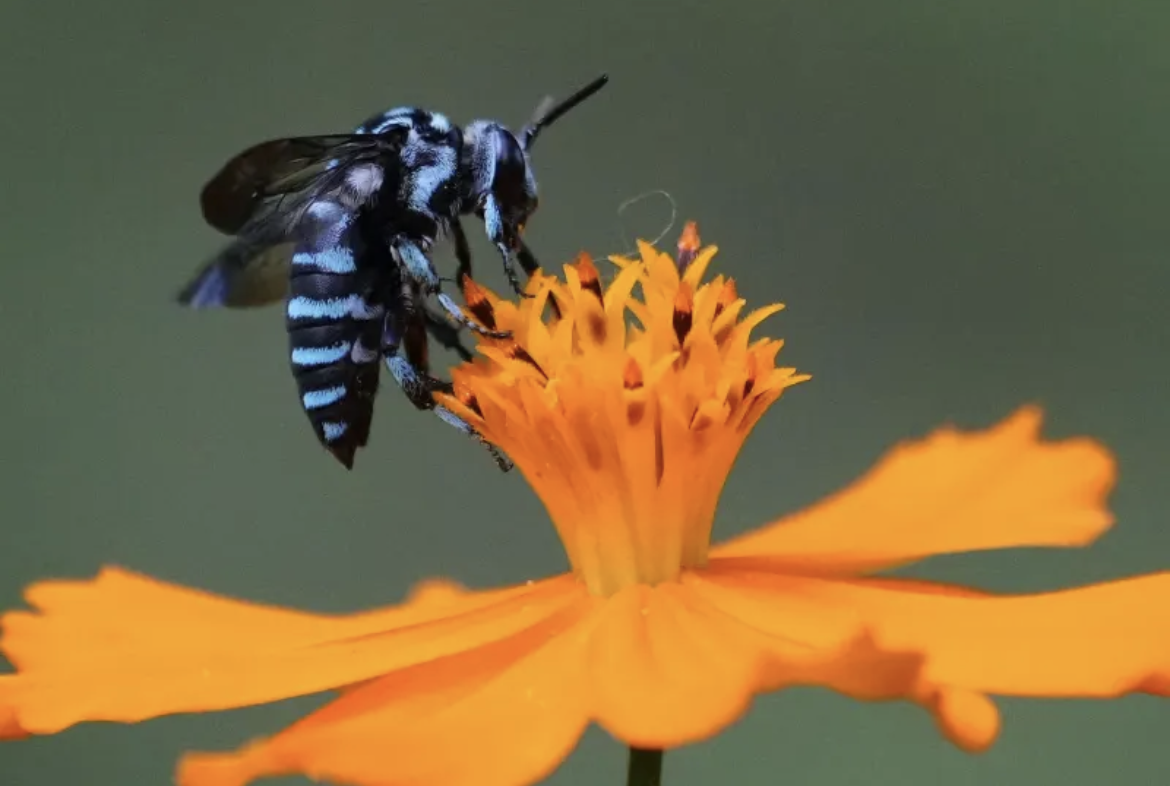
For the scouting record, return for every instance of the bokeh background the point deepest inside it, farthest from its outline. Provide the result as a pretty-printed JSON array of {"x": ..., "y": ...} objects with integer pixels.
[{"x": 963, "y": 203}]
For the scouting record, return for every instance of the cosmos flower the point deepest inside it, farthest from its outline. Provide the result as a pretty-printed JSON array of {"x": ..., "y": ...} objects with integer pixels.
[{"x": 627, "y": 434}]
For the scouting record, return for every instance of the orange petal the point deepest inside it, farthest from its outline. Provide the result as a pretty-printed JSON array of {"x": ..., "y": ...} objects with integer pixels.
[
  {"x": 505, "y": 714},
  {"x": 1102, "y": 640},
  {"x": 840, "y": 652},
  {"x": 663, "y": 672},
  {"x": 124, "y": 647},
  {"x": 951, "y": 492},
  {"x": 946, "y": 647},
  {"x": 678, "y": 662},
  {"x": 9, "y": 725}
]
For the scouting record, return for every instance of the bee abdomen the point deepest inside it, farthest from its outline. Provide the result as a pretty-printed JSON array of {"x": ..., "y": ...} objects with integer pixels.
[
  {"x": 334, "y": 323},
  {"x": 335, "y": 362}
]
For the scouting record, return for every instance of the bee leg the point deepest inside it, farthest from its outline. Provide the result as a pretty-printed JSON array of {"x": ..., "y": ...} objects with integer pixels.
[
  {"x": 446, "y": 334},
  {"x": 407, "y": 330},
  {"x": 502, "y": 461},
  {"x": 438, "y": 325},
  {"x": 419, "y": 268},
  {"x": 411, "y": 374},
  {"x": 527, "y": 260},
  {"x": 462, "y": 252},
  {"x": 414, "y": 381},
  {"x": 503, "y": 237}
]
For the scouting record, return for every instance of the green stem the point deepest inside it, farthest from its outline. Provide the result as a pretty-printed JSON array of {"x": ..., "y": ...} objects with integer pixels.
[{"x": 645, "y": 768}]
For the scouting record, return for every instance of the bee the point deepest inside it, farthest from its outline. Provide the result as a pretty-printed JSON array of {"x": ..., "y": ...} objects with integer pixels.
[{"x": 342, "y": 226}]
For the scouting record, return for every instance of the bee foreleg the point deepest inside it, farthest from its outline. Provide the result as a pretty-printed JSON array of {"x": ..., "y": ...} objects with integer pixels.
[
  {"x": 419, "y": 268},
  {"x": 462, "y": 252},
  {"x": 502, "y": 237},
  {"x": 528, "y": 261}
]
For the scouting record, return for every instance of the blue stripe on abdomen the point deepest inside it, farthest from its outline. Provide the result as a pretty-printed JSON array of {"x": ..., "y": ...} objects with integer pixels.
[
  {"x": 323, "y": 397},
  {"x": 333, "y": 260},
  {"x": 352, "y": 306},
  {"x": 334, "y": 430},
  {"x": 334, "y": 315},
  {"x": 320, "y": 356}
]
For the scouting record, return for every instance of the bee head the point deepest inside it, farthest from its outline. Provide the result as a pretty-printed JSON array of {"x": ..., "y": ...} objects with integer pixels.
[
  {"x": 500, "y": 166},
  {"x": 514, "y": 185}
]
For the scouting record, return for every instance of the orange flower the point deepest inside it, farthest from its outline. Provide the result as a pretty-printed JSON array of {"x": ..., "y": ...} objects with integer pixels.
[{"x": 627, "y": 435}]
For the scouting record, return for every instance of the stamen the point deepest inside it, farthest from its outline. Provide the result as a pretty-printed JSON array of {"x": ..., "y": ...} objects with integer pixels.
[
  {"x": 625, "y": 431},
  {"x": 753, "y": 370},
  {"x": 635, "y": 392},
  {"x": 466, "y": 397},
  {"x": 478, "y": 303},
  {"x": 517, "y": 352},
  {"x": 727, "y": 296},
  {"x": 632, "y": 375},
  {"x": 684, "y": 308},
  {"x": 590, "y": 278},
  {"x": 688, "y": 246},
  {"x": 591, "y": 314}
]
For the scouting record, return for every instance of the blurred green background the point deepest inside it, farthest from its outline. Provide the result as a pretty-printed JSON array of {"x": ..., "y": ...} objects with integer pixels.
[{"x": 963, "y": 203}]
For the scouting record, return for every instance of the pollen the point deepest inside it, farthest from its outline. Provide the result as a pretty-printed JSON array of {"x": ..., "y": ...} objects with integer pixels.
[{"x": 626, "y": 407}]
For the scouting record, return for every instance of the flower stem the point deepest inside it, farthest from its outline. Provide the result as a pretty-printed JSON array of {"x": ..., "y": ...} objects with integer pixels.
[{"x": 645, "y": 767}]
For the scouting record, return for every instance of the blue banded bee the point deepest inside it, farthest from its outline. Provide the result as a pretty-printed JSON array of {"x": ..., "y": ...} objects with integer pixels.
[{"x": 341, "y": 227}]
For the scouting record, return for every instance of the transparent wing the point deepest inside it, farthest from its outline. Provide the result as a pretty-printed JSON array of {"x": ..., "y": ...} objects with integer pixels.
[
  {"x": 259, "y": 196},
  {"x": 243, "y": 274},
  {"x": 277, "y": 176}
]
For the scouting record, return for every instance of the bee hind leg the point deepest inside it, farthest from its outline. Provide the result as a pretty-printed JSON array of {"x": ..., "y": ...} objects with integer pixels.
[{"x": 411, "y": 372}]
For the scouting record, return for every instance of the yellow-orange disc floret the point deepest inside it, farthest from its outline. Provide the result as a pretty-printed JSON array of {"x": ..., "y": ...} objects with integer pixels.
[{"x": 624, "y": 405}]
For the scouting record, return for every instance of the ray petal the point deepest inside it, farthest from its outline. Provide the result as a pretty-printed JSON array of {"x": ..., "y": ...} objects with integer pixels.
[
  {"x": 951, "y": 492},
  {"x": 125, "y": 647},
  {"x": 1101, "y": 640},
  {"x": 505, "y": 714}
]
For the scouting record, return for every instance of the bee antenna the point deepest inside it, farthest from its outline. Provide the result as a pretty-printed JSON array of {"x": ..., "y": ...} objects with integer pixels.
[{"x": 548, "y": 112}]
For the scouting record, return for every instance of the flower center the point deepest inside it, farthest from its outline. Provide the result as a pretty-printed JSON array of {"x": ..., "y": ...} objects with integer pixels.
[{"x": 625, "y": 411}]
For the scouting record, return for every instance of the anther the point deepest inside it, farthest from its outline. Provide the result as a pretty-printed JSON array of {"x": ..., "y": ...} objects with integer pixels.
[
  {"x": 727, "y": 296},
  {"x": 632, "y": 375},
  {"x": 587, "y": 273},
  {"x": 633, "y": 382},
  {"x": 753, "y": 370},
  {"x": 517, "y": 352},
  {"x": 593, "y": 319},
  {"x": 688, "y": 245},
  {"x": 478, "y": 303},
  {"x": 684, "y": 305},
  {"x": 467, "y": 398}
]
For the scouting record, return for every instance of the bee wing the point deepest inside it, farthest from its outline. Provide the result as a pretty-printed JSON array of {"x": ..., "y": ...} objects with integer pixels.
[
  {"x": 244, "y": 274},
  {"x": 264, "y": 178},
  {"x": 259, "y": 196}
]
